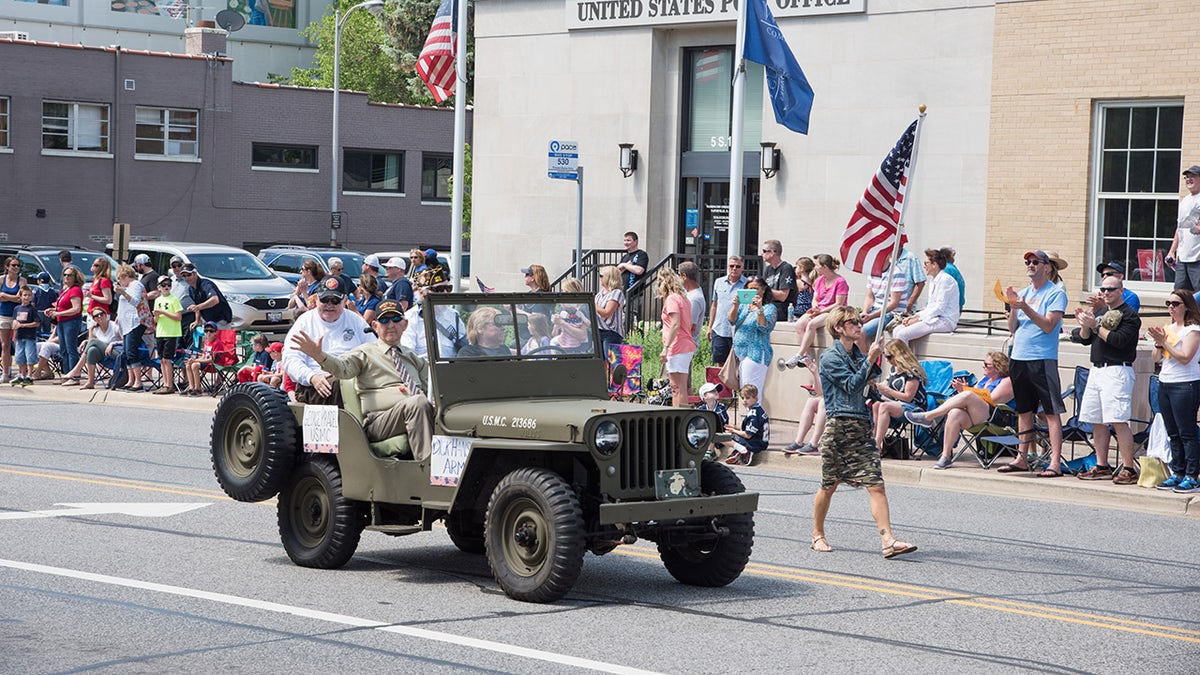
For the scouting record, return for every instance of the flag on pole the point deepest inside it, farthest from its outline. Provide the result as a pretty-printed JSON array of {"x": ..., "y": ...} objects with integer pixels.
[
  {"x": 870, "y": 235},
  {"x": 791, "y": 94},
  {"x": 435, "y": 65}
]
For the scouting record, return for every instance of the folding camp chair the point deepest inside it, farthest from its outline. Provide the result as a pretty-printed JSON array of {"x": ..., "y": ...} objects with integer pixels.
[
  {"x": 1002, "y": 424},
  {"x": 1007, "y": 439},
  {"x": 1075, "y": 431},
  {"x": 938, "y": 374}
]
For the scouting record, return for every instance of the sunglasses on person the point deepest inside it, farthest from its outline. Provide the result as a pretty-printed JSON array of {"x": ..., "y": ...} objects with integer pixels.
[
  {"x": 735, "y": 267},
  {"x": 176, "y": 264},
  {"x": 331, "y": 301},
  {"x": 210, "y": 330},
  {"x": 1172, "y": 303},
  {"x": 14, "y": 264},
  {"x": 1107, "y": 274},
  {"x": 853, "y": 322},
  {"x": 1030, "y": 262},
  {"x": 389, "y": 319},
  {"x": 1109, "y": 289},
  {"x": 97, "y": 315}
]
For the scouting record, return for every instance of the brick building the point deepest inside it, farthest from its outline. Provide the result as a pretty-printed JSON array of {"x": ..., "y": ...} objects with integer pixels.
[{"x": 171, "y": 144}]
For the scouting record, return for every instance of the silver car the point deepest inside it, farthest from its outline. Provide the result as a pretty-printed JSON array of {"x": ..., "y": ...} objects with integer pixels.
[{"x": 258, "y": 298}]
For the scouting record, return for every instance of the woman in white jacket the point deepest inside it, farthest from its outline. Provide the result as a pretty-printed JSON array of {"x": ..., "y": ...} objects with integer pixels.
[{"x": 940, "y": 314}]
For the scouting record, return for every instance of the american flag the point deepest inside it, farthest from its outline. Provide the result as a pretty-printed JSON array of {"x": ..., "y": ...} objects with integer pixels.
[
  {"x": 435, "y": 65},
  {"x": 870, "y": 235},
  {"x": 708, "y": 66},
  {"x": 484, "y": 288}
]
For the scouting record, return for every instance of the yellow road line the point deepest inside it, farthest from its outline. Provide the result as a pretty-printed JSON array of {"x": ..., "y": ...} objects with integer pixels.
[
  {"x": 950, "y": 597},
  {"x": 782, "y": 572}
]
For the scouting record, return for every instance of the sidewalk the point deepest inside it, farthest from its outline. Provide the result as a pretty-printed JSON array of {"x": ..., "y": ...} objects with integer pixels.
[
  {"x": 964, "y": 476},
  {"x": 967, "y": 476}
]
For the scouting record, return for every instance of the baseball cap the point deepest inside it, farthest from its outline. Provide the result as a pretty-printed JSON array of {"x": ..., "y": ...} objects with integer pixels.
[
  {"x": 275, "y": 347},
  {"x": 372, "y": 260},
  {"x": 43, "y": 278},
  {"x": 1114, "y": 266},
  {"x": 189, "y": 268},
  {"x": 396, "y": 261},
  {"x": 526, "y": 270},
  {"x": 710, "y": 386},
  {"x": 141, "y": 259},
  {"x": 1193, "y": 169},
  {"x": 430, "y": 253},
  {"x": 210, "y": 324},
  {"x": 176, "y": 260},
  {"x": 331, "y": 287},
  {"x": 164, "y": 281},
  {"x": 388, "y": 308}
]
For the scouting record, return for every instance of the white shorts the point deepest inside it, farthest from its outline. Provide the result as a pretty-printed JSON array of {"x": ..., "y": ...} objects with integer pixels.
[
  {"x": 1108, "y": 397},
  {"x": 680, "y": 363},
  {"x": 6, "y": 323}
]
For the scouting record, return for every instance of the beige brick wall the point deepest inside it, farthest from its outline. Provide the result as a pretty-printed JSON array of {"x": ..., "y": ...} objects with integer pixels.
[{"x": 1053, "y": 59}]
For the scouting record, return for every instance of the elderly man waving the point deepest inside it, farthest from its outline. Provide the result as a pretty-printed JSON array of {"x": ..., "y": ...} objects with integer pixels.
[{"x": 392, "y": 380}]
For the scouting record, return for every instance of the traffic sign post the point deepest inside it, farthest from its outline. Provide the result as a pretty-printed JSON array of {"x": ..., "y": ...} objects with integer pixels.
[{"x": 562, "y": 162}]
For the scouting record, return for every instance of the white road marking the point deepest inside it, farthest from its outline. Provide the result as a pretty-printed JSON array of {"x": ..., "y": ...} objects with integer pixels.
[
  {"x": 142, "y": 510},
  {"x": 318, "y": 615}
]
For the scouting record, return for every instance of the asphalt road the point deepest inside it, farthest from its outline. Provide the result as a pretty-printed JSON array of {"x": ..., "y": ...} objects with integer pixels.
[{"x": 999, "y": 584}]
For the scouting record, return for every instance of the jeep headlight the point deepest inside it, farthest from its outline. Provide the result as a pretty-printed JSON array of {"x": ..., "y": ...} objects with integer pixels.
[
  {"x": 607, "y": 437},
  {"x": 698, "y": 432}
]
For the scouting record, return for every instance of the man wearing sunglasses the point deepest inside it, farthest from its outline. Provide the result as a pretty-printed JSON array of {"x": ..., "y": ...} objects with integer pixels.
[
  {"x": 1035, "y": 322},
  {"x": 207, "y": 299},
  {"x": 1114, "y": 270},
  {"x": 337, "y": 330},
  {"x": 392, "y": 380},
  {"x": 1112, "y": 331}
]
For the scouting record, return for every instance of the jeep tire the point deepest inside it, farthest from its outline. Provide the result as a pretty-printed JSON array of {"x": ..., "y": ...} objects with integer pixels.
[
  {"x": 534, "y": 535},
  {"x": 319, "y": 527},
  {"x": 714, "y": 560},
  {"x": 253, "y": 442}
]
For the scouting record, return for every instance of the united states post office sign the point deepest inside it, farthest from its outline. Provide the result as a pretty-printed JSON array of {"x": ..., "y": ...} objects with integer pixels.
[{"x": 584, "y": 14}]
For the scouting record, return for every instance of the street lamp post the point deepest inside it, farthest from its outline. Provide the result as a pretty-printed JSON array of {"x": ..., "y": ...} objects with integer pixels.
[{"x": 374, "y": 6}]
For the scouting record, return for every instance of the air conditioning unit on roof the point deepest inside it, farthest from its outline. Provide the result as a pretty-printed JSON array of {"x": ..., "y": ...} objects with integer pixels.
[{"x": 14, "y": 35}]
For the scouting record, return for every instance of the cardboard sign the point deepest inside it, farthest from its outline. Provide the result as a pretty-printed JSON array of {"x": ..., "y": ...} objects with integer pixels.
[
  {"x": 448, "y": 459},
  {"x": 321, "y": 428}
]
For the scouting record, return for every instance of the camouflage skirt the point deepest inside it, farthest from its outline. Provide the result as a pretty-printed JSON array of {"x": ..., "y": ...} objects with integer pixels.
[{"x": 848, "y": 454}]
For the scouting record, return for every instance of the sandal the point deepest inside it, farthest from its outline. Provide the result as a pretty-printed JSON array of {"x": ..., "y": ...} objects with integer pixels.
[
  {"x": 1049, "y": 473},
  {"x": 820, "y": 545},
  {"x": 1012, "y": 468},
  {"x": 898, "y": 547}
]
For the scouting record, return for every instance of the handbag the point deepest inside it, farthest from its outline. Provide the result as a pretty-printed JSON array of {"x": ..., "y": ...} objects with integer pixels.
[{"x": 1151, "y": 472}]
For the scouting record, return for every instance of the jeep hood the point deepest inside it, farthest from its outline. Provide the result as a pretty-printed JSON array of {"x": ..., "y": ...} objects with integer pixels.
[{"x": 559, "y": 420}]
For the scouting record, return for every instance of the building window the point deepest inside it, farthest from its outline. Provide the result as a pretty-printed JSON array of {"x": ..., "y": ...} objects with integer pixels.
[
  {"x": 435, "y": 177},
  {"x": 368, "y": 171},
  {"x": 79, "y": 127},
  {"x": 273, "y": 156},
  {"x": 3, "y": 122},
  {"x": 166, "y": 131},
  {"x": 1136, "y": 200},
  {"x": 709, "y": 87}
]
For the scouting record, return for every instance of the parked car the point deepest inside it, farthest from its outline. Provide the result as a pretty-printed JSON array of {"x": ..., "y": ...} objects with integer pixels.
[
  {"x": 258, "y": 297},
  {"x": 285, "y": 260},
  {"x": 532, "y": 464},
  {"x": 36, "y": 259}
]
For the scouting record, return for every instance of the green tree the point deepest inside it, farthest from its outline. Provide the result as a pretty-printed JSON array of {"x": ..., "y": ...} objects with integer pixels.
[
  {"x": 466, "y": 217},
  {"x": 379, "y": 54}
]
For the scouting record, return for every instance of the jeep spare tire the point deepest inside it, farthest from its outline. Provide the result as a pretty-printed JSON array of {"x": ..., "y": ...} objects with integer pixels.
[
  {"x": 534, "y": 535},
  {"x": 253, "y": 442},
  {"x": 718, "y": 557}
]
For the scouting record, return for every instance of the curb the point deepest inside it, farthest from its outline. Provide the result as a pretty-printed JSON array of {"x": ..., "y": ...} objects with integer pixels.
[
  {"x": 52, "y": 391},
  {"x": 968, "y": 476}
]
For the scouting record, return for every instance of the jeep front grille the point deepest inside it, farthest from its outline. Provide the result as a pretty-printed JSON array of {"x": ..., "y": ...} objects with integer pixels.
[{"x": 648, "y": 445}]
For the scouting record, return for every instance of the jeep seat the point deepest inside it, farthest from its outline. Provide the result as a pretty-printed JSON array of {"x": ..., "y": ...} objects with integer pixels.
[{"x": 395, "y": 447}]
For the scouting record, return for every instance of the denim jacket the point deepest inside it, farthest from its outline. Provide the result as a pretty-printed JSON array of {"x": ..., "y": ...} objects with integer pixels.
[{"x": 844, "y": 377}]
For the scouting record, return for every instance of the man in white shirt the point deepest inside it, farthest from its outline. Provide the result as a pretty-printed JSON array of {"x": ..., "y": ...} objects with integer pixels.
[
  {"x": 340, "y": 332},
  {"x": 690, "y": 273},
  {"x": 720, "y": 330},
  {"x": 1185, "y": 249}
]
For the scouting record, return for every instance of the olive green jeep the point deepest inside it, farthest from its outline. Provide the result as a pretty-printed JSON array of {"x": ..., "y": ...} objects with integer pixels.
[{"x": 532, "y": 463}]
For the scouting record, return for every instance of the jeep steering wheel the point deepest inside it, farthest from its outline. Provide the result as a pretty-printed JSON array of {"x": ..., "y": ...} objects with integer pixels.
[{"x": 545, "y": 348}]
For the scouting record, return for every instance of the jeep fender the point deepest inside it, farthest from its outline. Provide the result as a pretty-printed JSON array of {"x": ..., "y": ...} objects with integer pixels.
[{"x": 491, "y": 459}]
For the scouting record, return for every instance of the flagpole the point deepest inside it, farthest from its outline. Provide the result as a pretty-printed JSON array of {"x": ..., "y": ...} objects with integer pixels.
[
  {"x": 459, "y": 167},
  {"x": 908, "y": 184},
  {"x": 735, "y": 145}
]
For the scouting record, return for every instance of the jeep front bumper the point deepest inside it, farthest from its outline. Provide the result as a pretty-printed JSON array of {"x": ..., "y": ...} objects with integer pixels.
[{"x": 671, "y": 509}]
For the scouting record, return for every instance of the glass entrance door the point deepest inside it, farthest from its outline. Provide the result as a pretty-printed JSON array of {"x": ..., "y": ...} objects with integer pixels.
[{"x": 705, "y": 221}]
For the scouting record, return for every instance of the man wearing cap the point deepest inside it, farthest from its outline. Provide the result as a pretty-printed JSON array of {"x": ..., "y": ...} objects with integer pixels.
[
  {"x": 392, "y": 380},
  {"x": 1113, "y": 270},
  {"x": 435, "y": 272},
  {"x": 1184, "y": 255},
  {"x": 400, "y": 289},
  {"x": 337, "y": 268},
  {"x": 149, "y": 278},
  {"x": 207, "y": 299},
  {"x": 338, "y": 330},
  {"x": 1112, "y": 330},
  {"x": 1035, "y": 321},
  {"x": 370, "y": 268}
]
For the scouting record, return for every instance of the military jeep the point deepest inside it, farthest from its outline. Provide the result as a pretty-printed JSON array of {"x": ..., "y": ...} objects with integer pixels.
[{"x": 532, "y": 463}]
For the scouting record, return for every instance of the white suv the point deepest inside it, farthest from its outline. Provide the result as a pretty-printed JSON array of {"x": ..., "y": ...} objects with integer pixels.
[{"x": 258, "y": 298}]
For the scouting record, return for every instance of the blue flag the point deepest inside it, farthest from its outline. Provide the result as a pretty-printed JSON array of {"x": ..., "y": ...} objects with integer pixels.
[{"x": 791, "y": 95}]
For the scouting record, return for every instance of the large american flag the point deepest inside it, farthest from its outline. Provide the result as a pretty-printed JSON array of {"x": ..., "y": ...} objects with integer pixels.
[
  {"x": 435, "y": 65},
  {"x": 870, "y": 235}
]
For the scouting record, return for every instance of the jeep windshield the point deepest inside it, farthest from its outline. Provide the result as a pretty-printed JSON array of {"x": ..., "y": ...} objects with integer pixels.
[{"x": 513, "y": 328}]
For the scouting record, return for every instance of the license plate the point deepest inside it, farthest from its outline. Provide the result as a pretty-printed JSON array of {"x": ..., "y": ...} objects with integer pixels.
[
  {"x": 275, "y": 316},
  {"x": 673, "y": 483}
]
